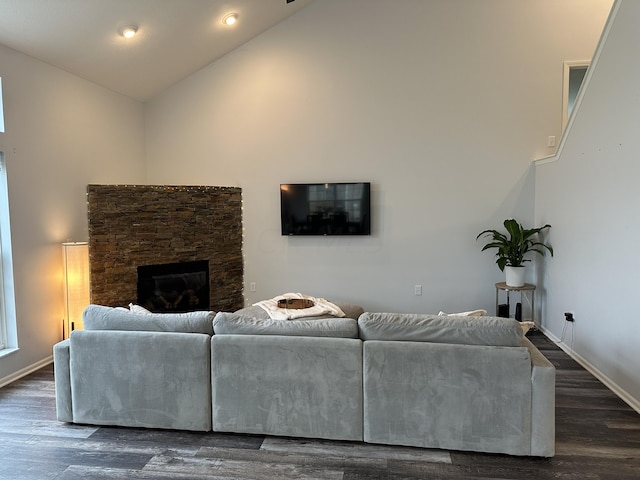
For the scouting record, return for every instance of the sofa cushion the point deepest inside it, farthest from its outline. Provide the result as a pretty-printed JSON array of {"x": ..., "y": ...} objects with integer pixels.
[
  {"x": 276, "y": 385},
  {"x": 454, "y": 397},
  {"x": 138, "y": 308},
  {"x": 226, "y": 323},
  {"x": 141, "y": 379},
  {"x": 99, "y": 317},
  {"x": 494, "y": 331}
]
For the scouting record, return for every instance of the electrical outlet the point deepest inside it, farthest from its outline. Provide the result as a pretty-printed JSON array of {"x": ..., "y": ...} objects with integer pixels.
[
  {"x": 568, "y": 316},
  {"x": 417, "y": 290}
]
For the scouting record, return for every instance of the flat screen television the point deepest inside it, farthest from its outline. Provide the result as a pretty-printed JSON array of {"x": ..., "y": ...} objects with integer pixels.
[{"x": 326, "y": 208}]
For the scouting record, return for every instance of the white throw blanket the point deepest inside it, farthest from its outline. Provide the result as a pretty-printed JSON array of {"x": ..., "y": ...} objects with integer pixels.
[{"x": 320, "y": 307}]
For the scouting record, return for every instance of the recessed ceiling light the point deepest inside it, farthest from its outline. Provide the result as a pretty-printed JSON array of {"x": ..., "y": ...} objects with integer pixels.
[
  {"x": 230, "y": 19},
  {"x": 129, "y": 31}
]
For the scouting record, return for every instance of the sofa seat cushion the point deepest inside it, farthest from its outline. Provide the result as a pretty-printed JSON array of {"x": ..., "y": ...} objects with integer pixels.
[
  {"x": 100, "y": 317},
  {"x": 226, "y": 323},
  {"x": 491, "y": 331}
]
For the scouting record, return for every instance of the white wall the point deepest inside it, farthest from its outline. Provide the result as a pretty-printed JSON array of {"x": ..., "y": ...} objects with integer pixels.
[
  {"x": 591, "y": 195},
  {"x": 61, "y": 133},
  {"x": 441, "y": 105}
]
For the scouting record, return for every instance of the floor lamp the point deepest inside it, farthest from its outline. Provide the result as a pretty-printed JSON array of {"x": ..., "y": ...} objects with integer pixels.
[{"x": 76, "y": 284}]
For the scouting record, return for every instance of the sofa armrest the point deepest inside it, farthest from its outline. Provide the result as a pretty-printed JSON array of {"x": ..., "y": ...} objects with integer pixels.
[
  {"x": 62, "y": 377},
  {"x": 543, "y": 403}
]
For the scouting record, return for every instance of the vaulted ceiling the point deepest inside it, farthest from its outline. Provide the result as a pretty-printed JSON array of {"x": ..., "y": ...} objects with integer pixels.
[{"x": 175, "y": 37}]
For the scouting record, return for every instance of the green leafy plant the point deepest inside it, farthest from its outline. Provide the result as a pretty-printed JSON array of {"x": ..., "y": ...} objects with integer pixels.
[{"x": 512, "y": 247}]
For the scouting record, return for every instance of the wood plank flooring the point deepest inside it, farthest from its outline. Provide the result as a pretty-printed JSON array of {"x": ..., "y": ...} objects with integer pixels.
[{"x": 597, "y": 437}]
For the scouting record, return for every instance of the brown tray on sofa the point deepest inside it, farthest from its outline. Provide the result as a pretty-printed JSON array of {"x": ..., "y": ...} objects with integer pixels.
[{"x": 295, "y": 303}]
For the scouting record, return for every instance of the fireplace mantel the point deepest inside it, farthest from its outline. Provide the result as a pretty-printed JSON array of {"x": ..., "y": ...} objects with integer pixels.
[{"x": 137, "y": 225}]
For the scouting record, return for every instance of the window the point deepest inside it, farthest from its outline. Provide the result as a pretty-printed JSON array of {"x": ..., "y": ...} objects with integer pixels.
[
  {"x": 7, "y": 306},
  {"x": 3, "y": 322},
  {"x": 8, "y": 332},
  {"x": 574, "y": 73},
  {"x": 1, "y": 109}
]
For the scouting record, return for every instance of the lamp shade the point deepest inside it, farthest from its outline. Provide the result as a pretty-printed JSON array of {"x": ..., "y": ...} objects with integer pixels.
[{"x": 75, "y": 257}]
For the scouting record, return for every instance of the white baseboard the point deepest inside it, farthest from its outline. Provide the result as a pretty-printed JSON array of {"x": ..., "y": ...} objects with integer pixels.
[
  {"x": 26, "y": 371},
  {"x": 611, "y": 385}
]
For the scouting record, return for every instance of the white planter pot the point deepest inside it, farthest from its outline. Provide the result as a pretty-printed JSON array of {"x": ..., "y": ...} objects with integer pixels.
[{"x": 514, "y": 276}]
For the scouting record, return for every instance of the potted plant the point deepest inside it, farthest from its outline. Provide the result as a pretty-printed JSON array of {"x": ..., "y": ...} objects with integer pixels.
[{"x": 512, "y": 247}]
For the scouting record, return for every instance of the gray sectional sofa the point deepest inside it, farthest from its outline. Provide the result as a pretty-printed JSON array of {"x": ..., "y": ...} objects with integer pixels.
[{"x": 458, "y": 383}]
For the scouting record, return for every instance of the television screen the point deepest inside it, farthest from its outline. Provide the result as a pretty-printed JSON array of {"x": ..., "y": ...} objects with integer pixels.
[{"x": 326, "y": 208}]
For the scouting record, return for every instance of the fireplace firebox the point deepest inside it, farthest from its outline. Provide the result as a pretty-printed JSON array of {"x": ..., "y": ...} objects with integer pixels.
[{"x": 174, "y": 287}]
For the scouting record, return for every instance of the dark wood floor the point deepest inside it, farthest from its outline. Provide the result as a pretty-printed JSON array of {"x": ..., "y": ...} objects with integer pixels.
[{"x": 597, "y": 437}]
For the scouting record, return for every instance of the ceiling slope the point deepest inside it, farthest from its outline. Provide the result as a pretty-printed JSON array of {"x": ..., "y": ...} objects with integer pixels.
[{"x": 175, "y": 37}]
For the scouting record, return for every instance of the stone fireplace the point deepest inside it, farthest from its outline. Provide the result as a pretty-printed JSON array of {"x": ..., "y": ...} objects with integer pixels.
[{"x": 162, "y": 232}]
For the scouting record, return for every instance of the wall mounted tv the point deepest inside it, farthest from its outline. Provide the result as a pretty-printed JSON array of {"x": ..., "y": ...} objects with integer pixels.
[{"x": 326, "y": 208}]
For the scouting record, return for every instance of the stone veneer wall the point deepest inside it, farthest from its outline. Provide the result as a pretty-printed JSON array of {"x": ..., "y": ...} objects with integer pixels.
[{"x": 134, "y": 225}]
